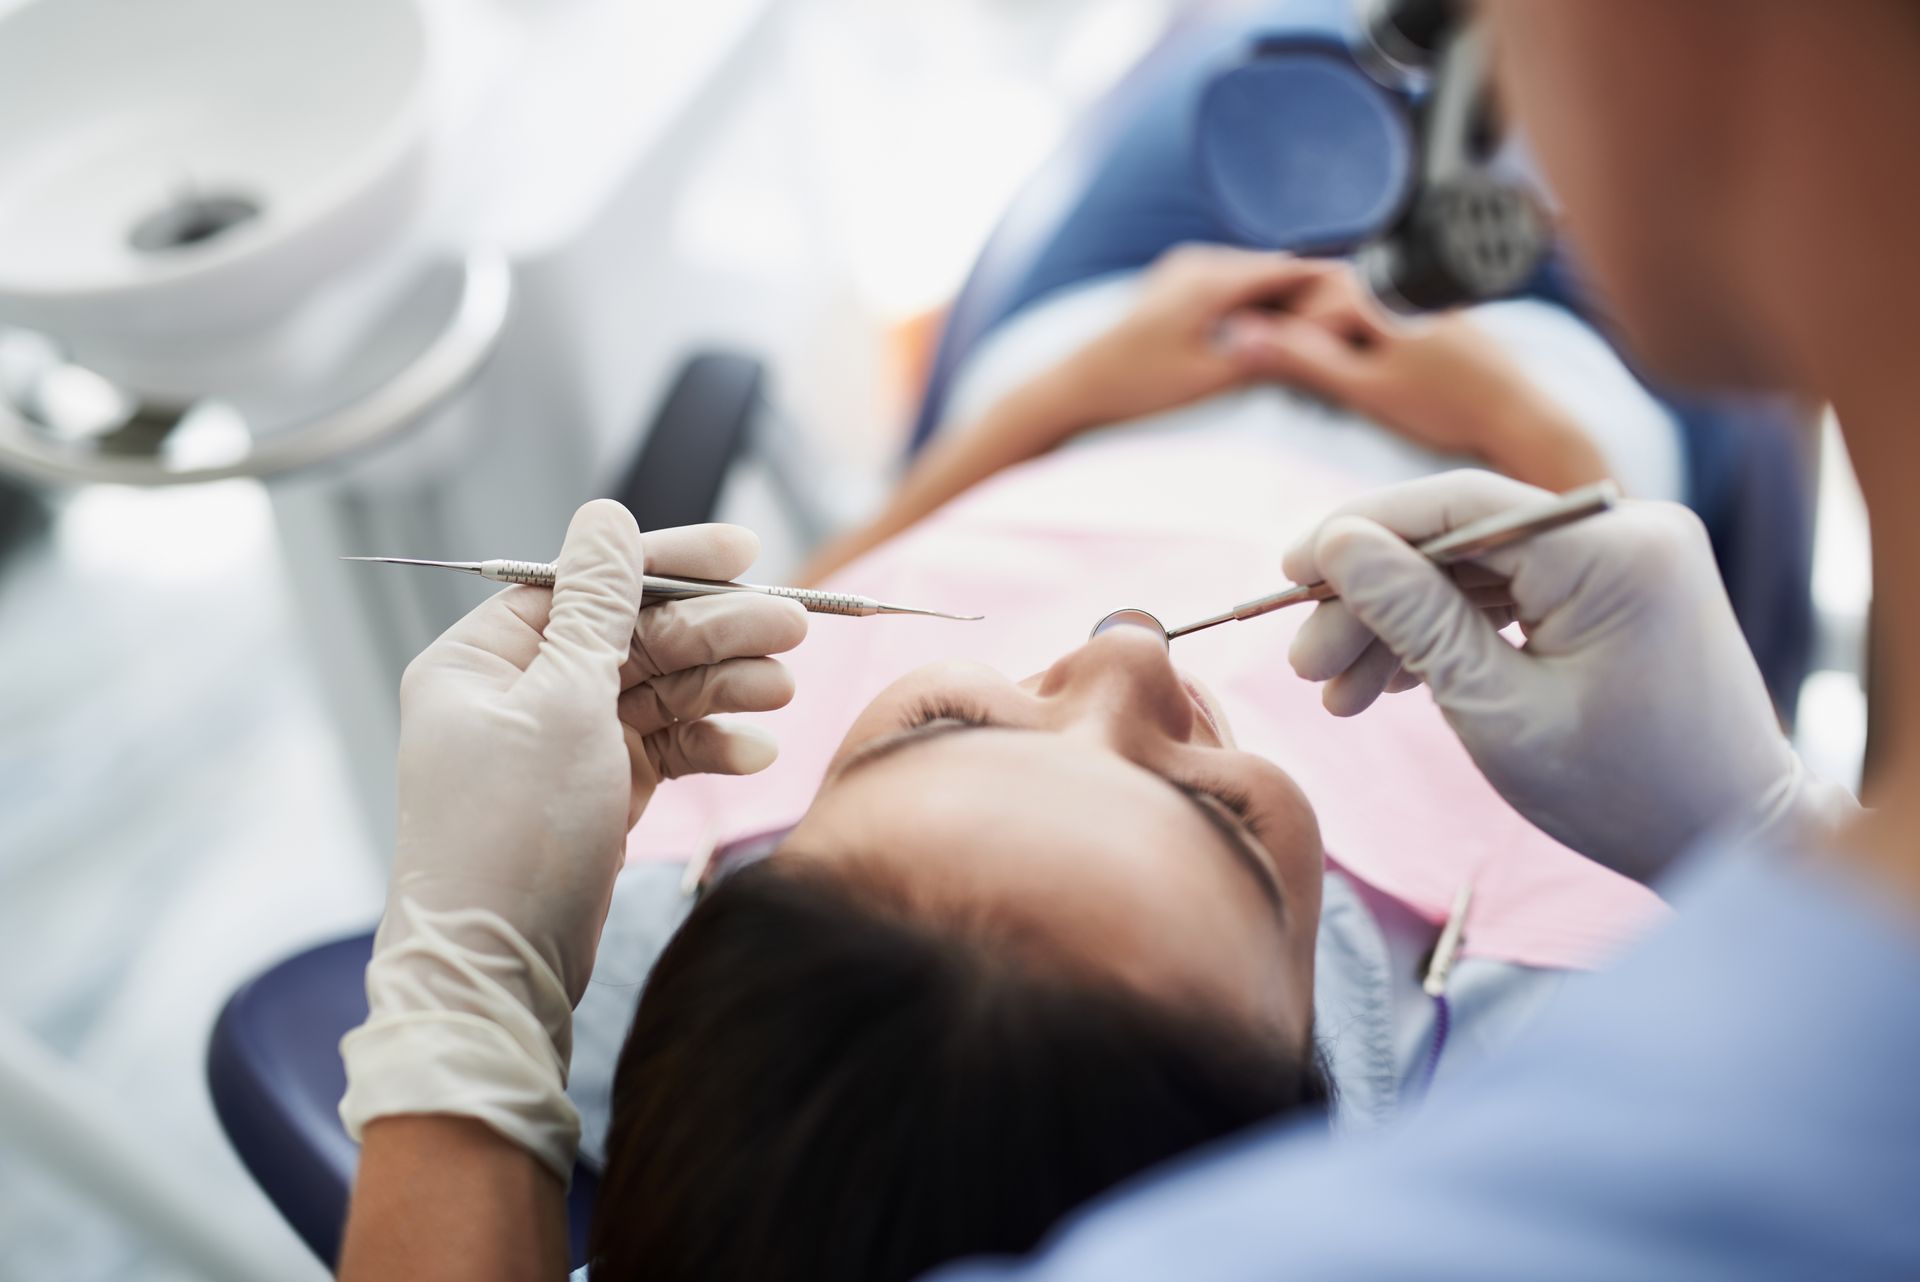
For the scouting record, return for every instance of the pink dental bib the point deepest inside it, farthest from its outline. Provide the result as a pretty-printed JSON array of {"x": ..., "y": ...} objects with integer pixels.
[{"x": 1182, "y": 527}]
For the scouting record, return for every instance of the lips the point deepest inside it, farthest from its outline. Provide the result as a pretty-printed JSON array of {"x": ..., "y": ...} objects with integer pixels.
[{"x": 1203, "y": 706}]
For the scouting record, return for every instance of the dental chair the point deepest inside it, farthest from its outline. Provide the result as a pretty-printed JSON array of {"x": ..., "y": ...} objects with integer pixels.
[
  {"x": 274, "y": 1069},
  {"x": 273, "y": 1064},
  {"x": 1750, "y": 459}
]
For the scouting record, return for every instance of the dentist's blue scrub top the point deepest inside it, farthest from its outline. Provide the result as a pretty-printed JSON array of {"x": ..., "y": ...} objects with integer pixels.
[{"x": 1738, "y": 1098}]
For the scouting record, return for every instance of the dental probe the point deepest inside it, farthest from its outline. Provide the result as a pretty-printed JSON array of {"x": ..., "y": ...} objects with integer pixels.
[
  {"x": 660, "y": 587},
  {"x": 1460, "y": 544}
]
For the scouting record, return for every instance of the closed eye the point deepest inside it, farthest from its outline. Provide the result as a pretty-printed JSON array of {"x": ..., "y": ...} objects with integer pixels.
[
  {"x": 1237, "y": 802},
  {"x": 936, "y": 709},
  {"x": 1228, "y": 809}
]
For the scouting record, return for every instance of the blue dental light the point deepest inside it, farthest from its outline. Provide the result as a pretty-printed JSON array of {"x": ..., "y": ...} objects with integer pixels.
[{"x": 1384, "y": 146}]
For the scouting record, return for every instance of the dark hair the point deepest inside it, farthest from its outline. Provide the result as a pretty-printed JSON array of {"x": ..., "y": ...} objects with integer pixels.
[{"x": 819, "y": 1086}]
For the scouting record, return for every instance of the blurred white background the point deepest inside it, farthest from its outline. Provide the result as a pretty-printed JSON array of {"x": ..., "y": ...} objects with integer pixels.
[{"x": 175, "y": 810}]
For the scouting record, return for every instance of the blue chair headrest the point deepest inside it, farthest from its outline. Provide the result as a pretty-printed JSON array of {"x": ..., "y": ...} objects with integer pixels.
[{"x": 1301, "y": 150}]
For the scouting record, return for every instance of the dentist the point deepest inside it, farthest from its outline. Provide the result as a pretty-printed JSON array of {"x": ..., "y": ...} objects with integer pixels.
[{"x": 1736, "y": 1099}]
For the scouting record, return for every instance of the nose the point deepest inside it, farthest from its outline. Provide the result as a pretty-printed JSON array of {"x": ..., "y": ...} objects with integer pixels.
[{"x": 1122, "y": 686}]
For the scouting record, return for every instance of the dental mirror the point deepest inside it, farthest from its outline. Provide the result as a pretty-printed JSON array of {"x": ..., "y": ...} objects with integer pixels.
[{"x": 1131, "y": 618}]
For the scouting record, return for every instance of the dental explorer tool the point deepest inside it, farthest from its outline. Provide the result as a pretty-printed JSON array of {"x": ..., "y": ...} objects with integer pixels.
[
  {"x": 660, "y": 587},
  {"x": 1461, "y": 544}
]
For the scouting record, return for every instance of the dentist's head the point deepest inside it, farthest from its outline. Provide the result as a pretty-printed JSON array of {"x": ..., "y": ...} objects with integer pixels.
[{"x": 1717, "y": 161}]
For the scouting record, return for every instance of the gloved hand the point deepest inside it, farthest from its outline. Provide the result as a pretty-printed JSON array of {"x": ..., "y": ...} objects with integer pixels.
[
  {"x": 1633, "y": 719},
  {"x": 532, "y": 734}
]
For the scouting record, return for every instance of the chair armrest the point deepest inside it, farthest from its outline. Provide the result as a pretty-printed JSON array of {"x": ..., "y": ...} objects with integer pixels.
[{"x": 700, "y": 429}]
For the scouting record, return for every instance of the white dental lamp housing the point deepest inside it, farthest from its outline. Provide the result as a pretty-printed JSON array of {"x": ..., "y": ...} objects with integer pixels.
[
  {"x": 178, "y": 179},
  {"x": 418, "y": 253}
]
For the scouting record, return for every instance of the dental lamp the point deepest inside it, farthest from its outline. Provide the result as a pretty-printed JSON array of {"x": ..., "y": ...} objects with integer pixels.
[{"x": 1399, "y": 158}]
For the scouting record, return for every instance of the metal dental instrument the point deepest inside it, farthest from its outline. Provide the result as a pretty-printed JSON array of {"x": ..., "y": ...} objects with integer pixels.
[
  {"x": 1462, "y": 544},
  {"x": 660, "y": 587}
]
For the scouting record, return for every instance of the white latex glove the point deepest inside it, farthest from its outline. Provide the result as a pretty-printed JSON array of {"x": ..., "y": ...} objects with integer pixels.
[
  {"x": 532, "y": 734},
  {"x": 1633, "y": 720}
]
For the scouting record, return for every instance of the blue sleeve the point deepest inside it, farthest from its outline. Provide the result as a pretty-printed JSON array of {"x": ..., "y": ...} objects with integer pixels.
[{"x": 1739, "y": 1098}]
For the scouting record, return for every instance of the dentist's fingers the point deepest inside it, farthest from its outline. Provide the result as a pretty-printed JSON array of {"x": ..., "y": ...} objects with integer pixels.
[
  {"x": 1417, "y": 610},
  {"x": 1419, "y": 510},
  {"x": 491, "y": 646},
  {"x": 707, "y": 747},
  {"x": 1404, "y": 681},
  {"x": 1328, "y": 643},
  {"x": 711, "y": 551},
  {"x": 1355, "y": 687},
  {"x": 1332, "y": 640},
  {"x": 676, "y": 635},
  {"x": 502, "y": 635},
  {"x": 737, "y": 685},
  {"x": 596, "y": 598}
]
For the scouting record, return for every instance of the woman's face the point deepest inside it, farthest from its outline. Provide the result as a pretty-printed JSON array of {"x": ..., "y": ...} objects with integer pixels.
[{"x": 1097, "y": 812}]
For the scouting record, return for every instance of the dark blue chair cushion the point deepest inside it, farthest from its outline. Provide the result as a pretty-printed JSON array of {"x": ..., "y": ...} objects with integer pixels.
[{"x": 274, "y": 1069}]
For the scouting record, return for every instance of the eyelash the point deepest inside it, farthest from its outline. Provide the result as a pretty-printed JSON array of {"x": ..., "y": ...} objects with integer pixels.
[
  {"x": 938, "y": 708},
  {"x": 933, "y": 709},
  {"x": 1239, "y": 802}
]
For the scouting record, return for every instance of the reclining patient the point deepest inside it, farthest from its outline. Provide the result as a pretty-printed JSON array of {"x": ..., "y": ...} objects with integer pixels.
[{"x": 1034, "y": 934}]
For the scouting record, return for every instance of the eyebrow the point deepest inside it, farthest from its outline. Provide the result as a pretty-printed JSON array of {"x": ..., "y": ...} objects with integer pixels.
[{"x": 1230, "y": 826}]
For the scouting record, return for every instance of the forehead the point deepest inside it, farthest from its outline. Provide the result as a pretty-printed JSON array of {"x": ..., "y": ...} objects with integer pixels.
[{"x": 1065, "y": 842}]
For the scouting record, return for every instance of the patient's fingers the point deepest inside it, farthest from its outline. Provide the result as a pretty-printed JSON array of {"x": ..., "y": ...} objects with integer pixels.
[
  {"x": 737, "y": 685},
  {"x": 1230, "y": 277},
  {"x": 1340, "y": 303},
  {"x": 675, "y": 635}
]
